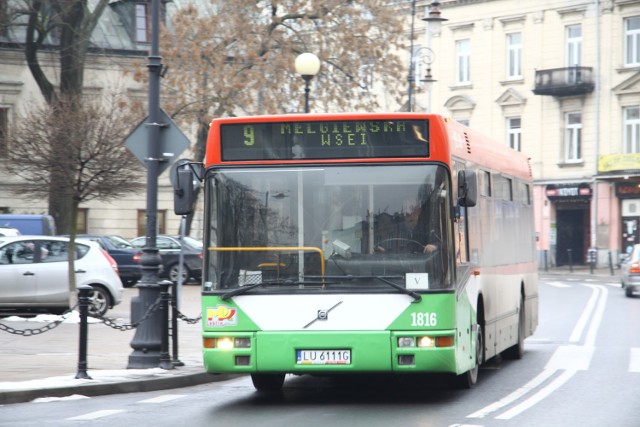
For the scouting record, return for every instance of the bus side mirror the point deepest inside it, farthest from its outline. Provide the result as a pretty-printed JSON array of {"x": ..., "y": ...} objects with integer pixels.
[
  {"x": 467, "y": 188},
  {"x": 183, "y": 194}
]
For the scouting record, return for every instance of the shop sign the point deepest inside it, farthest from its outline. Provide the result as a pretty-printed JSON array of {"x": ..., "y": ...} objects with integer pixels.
[
  {"x": 566, "y": 192},
  {"x": 618, "y": 162},
  {"x": 628, "y": 190}
]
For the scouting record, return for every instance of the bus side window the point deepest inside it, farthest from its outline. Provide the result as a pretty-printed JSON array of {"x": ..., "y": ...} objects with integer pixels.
[{"x": 460, "y": 231}]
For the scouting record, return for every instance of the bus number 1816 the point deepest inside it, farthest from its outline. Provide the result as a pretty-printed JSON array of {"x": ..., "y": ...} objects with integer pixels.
[{"x": 424, "y": 319}]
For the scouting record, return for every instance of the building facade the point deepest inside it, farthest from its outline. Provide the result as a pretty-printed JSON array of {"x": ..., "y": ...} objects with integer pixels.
[
  {"x": 556, "y": 79},
  {"x": 560, "y": 81}
]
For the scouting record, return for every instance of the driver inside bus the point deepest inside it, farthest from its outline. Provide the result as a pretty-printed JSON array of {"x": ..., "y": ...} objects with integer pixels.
[{"x": 425, "y": 229}]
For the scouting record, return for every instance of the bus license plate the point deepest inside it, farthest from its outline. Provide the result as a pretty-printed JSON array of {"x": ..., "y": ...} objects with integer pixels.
[{"x": 323, "y": 357}]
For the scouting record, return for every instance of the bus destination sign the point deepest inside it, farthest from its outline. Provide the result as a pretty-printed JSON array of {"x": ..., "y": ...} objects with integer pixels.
[{"x": 346, "y": 139}]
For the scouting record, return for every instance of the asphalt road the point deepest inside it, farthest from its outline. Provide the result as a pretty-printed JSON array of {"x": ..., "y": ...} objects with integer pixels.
[{"x": 581, "y": 368}]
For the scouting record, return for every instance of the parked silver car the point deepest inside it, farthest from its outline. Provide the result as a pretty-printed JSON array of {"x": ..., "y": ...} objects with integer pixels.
[
  {"x": 631, "y": 271},
  {"x": 34, "y": 275}
]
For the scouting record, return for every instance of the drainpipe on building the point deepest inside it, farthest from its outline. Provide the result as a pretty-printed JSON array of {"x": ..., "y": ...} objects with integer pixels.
[{"x": 594, "y": 203}]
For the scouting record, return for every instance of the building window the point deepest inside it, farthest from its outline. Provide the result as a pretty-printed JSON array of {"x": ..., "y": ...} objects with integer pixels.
[
  {"x": 631, "y": 117},
  {"x": 143, "y": 27},
  {"x": 573, "y": 137},
  {"x": 4, "y": 132},
  {"x": 632, "y": 41},
  {"x": 142, "y": 222},
  {"x": 514, "y": 132},
  {"x": 82, "y": 221},
  {"x": 463, "y": 60},
  {"x": 514, "y": 56},
  {"x": 574, "y": 45}
]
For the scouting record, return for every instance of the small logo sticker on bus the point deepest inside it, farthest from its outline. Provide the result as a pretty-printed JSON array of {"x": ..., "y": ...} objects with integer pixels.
[{"x": 222, "y": 315}]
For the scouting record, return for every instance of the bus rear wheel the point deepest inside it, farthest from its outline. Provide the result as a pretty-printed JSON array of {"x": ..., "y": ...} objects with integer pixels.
[
  {"x": 517, "y": 350},
  {"x": 267, "y": 382}
]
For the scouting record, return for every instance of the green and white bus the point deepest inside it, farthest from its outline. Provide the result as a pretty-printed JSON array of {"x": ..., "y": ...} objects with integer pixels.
[{"x": 364, "y": 243}]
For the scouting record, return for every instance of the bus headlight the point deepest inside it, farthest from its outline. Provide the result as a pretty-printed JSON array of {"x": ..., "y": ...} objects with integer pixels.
[
  {"x": 242, "y": 342},
  {"x": 227, "y": 343},
  {"x": 404, "y": 342},
  {"x": 425, "y": 342},
  {"x": 224, "y": 343}
]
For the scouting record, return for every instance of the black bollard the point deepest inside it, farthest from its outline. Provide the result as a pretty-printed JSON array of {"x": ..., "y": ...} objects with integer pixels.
[
  {"x": 546, "y": 265},
  {"x": 83, "y": 304},
  {"x": 165, "y": 359},
  {"x": 610, "y": 263},
  {"x": 174, "y": 325},
  {"x": 570, "y": 260}
]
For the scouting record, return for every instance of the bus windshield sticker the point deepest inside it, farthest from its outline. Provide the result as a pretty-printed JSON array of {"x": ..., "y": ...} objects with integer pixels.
[
  {"x": 333, "y": 139},
  {"x": 417, "y": 280}
]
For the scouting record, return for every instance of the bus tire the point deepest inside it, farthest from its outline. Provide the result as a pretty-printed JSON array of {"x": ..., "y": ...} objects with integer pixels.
[
  {"x": 267, "y": 382},
  {"x": 468, "y": 379},
  {"x": 517, "y": 350}
]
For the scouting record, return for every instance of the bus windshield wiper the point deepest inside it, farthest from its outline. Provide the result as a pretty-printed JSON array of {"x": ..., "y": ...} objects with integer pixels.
[
  {"x": 384, "y": 279},
  {"x": 286, "y": 282}
]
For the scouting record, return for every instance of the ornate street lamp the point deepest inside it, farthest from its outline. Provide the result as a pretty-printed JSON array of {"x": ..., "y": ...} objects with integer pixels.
[
  {"x": 433, "y": 19},
  {"x": 307, "y": 65}
]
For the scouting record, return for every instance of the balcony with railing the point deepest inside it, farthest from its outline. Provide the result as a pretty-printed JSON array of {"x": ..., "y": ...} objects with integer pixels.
[{"x": 569, "y": 81}]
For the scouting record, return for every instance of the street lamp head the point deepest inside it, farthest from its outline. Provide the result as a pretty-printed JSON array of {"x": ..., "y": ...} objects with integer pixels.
[
  {"x": 428, "y": 79},
  {"x": 433, "y": 17},
  {"x": 307, "y": 65}
]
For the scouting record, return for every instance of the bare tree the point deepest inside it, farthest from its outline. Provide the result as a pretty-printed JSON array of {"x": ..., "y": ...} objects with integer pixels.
[
  {"x": 94, "y": 164},
  {"x": 237, "y": 58},
  {"x": 66, "y": 26}
]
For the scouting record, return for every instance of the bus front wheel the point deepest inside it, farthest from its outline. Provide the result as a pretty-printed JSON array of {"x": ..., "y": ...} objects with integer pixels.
[
  {"x": 470, "y": 378},
  {"x": 267, "y": 382}
]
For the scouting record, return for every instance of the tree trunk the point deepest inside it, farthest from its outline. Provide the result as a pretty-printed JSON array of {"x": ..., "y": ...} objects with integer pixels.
[{"x": 73, "y": 290}]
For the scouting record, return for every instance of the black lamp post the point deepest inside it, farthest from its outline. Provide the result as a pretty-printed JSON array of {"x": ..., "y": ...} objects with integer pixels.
[
  {"x": 147, "y": 340},
  {"x": 307, "y": 65}
]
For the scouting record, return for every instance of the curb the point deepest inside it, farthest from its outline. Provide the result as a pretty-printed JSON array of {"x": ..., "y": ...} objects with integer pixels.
[{"x": 101, "y": 389}]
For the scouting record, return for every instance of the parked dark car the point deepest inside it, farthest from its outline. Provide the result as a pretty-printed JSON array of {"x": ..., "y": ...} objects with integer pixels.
[
  {"x": 125, "y": 254},
  {"x": 169, "y": 247}
]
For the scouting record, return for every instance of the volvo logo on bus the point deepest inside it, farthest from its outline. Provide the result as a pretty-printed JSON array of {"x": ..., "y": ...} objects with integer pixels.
[{"x": 322, "y": 315}]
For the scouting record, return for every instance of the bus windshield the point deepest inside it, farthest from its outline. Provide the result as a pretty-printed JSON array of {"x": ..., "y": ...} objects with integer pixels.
[{"x": 364, "y": 228}]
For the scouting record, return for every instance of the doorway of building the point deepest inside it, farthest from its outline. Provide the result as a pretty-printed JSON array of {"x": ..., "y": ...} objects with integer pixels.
[{"x": 573, "y": 228}]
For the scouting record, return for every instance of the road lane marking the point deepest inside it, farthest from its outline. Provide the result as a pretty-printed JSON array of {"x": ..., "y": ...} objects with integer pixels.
[
  {"x": 592, "y": 333},
  {"x": 507, "y": 400},
  {"x": 558, "y": 284},
  {"x": 568, "y": 359},
  {"x": 634, "y": 360},
  {"x": 536, "y": 398},
  {"x": 571, "y": 357},
  {"x": 163, "y": 398},
  {"x": 97, "y": 414},
  {"x": 586, "y": 314}
]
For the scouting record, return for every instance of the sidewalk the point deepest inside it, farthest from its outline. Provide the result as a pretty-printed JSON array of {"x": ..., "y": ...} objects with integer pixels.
[
  {"x": 45, "y": 365},
  {"x": 581, "y": 270}
]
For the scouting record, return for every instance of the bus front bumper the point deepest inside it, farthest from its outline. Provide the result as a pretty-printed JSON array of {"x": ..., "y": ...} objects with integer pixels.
[{"x": 329, "y": 352}]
